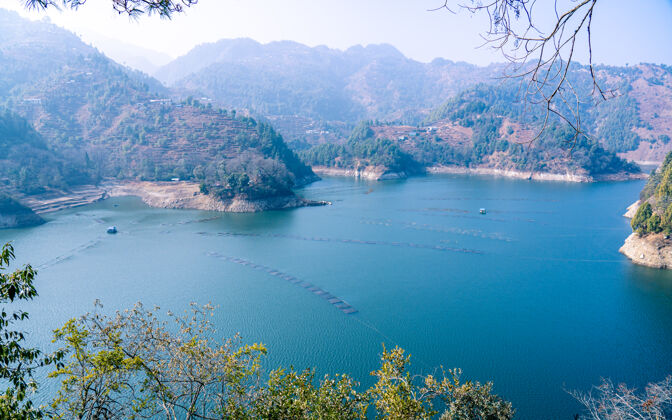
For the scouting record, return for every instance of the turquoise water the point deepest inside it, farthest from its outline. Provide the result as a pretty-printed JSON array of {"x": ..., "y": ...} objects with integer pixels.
[{"x": 533, "y": 295}]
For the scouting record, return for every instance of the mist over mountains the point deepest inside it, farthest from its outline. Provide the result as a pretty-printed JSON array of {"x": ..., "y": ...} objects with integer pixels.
[
  {"x": 308, "y": 90},
  {"x": 287, "y": 78},
  {"x": 193, "y": 120}
]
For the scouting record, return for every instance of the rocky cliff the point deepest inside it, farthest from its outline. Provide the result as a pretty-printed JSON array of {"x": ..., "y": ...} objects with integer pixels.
[{"x": 650, "y": 250}]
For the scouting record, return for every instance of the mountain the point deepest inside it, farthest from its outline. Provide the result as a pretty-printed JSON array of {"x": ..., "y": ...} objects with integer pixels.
[
  {"x": 287, "y": 78},
  {"x": 107, "y": 121},
  {"x": 484, "y": 142},
  {"x": 316, "y": 95},
  {"x": 28, "y": 165}
]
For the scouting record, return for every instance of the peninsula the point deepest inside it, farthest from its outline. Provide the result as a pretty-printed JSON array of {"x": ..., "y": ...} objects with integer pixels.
[{"x": 650, "y": 244}]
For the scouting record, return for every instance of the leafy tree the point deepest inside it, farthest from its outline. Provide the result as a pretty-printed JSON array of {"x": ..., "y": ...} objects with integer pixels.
[
  {"x": 362, "y": 131},
  {"x": 639, "y": 223},
  {"x": 17, "y": 362},
  {"x": 653, "y": 224},
  {"x": 135, "y": 365},
  {"x": 294, "y": 395},
  {"x": 399, "y": 395},
  {"x": 655, "y": 213}
]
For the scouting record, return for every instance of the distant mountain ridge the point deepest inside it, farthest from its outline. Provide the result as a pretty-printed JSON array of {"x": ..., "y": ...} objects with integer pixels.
[
  {"x": 286, "y": 78},
  {"x": 101, "y": 120},
  {"x": 290, "y": 82}
]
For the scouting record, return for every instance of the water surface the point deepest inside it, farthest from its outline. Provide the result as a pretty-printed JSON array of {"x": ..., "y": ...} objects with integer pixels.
[{"x": 533, "y": 295}]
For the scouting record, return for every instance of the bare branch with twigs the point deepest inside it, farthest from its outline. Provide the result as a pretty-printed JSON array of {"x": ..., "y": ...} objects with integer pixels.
[
  {"x": 541, "y": 59},
  {"x": 133, "y": 8}
]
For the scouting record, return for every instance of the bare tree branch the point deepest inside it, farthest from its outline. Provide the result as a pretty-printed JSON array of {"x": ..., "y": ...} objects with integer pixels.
[
  {"x": 541, "y": 59},
  {"x": 133, "y": 8},
  {"x": 618, "y": 402}
]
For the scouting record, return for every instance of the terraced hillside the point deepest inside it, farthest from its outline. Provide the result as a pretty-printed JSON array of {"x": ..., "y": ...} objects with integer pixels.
[
  {"x": 109, "y": 122},
  {"x": 318, "y": 94}
]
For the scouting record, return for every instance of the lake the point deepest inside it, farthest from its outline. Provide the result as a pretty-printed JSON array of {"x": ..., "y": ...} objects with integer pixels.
[{"x": 532, "y": 295}]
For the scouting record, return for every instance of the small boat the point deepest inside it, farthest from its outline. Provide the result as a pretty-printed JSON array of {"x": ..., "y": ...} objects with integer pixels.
[
  {"x": 112, "y": 230},
  {"x": 482, "y": 211}
]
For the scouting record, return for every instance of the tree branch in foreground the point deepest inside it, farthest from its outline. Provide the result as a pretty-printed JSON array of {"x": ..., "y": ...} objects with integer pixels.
[
  {"x": 542, "y": 58},
  {"x": 133, "y": 8}
]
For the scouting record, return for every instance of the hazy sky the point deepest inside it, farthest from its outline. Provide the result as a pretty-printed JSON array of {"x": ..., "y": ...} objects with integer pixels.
[{"x": 624, "y": 31}]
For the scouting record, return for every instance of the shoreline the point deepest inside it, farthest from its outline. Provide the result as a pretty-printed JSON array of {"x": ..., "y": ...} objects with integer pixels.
[
  {"x": 653, "y": 250},
  {"x": 159, "y": 194},
  {"x": 187, "y": 195},
  {"x": 371, "y": 173},
  {"x": 534, "y": 176},
  {"x": 375, "y": 173}
]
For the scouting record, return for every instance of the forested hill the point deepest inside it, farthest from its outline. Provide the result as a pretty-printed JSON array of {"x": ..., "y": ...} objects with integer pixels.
[
  {"x": 480, "y": 141},
  {"x": 311, "y": 93},
  {"x": 28, "y": 165},
  {"x": 482, "y": 127},
  {"x": 107, "y": 121}
]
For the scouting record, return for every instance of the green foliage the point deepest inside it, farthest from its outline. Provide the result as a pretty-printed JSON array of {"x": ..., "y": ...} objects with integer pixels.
[
  {"x": 327, "y": 154},
  {"x": 28, "y": 165},
  {"x": 361, "y": 132},
  {"x": 17, "y": 362},
  {"x": 383, "y": 152},
  {"x": 618, "y": 118},
  {"x": 98, "y": 119},
  {"x": 297, "y": 395},
  {"x": 483, "y": 108},
  {"x": 363, "y": 148},
  {"x": 655, "y": 213},
  {"x": 135, "y": 364},
  {"x": 399, "y": 395},
  {"x": 639, "y": 223},
  {"x": 394, "y": 392}
]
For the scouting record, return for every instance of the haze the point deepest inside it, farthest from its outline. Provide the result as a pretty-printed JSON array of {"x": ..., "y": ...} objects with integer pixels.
[{"x": 622, "y": 33}]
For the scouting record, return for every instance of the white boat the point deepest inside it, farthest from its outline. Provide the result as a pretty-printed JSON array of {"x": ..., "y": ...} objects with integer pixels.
[{"x": 112, "y": 229}]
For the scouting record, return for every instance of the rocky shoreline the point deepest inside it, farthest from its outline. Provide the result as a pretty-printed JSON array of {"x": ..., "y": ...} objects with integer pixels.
[
  {"x": 652, "y": 250},
  {"x": 171, "y": 195},
  {"x": 535, "y": 176},
  {"x": 380, "y": 173},
  {"x": 371, "y": 173}
]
